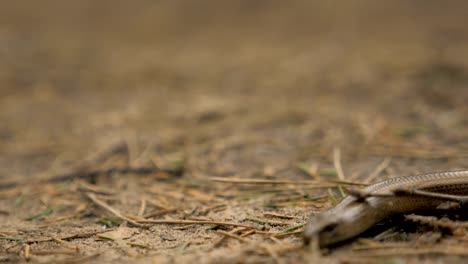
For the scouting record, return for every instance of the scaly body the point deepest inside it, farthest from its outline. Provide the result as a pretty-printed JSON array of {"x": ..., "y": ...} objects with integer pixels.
[{"x": 352, "y": 216}]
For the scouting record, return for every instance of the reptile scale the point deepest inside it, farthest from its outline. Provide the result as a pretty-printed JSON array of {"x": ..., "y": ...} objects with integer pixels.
[{"x": 369, "y": 206}]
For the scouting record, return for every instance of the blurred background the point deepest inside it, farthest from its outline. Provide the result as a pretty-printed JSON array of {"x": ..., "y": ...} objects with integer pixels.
[{"x": 76, "y": 75}]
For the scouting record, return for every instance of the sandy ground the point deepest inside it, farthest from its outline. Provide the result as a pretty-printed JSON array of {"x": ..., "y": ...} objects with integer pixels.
[{"x": 252, "y": 90}]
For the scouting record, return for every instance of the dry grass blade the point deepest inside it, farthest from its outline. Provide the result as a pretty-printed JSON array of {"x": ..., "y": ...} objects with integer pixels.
[
  {"x": 66, "y": 243},
  {"x": 248, "y": 233},
  {"x": 79, "y": 235},
  {"x": 27, "y": 252},
  {"x": 279, "y": 215},
  {"x": 110, "y": 209},
  {"x": 285, "y": 234},
  {"x": 86, "y": 187},
  {"x": 160, "y": 212},
  {"x": 337, "y": 163},
  {"x": 190, "y": 222},
  {"x": 263, "y": 221},
  {"x": 381, "y": 167},
  {"x": 142, "y": 209},
  {"x": 223, "y": 238},
  {"x": 231, "y": 235},
  {"x": 54, "y": 251},
  {"x": 313, "y": 183}
]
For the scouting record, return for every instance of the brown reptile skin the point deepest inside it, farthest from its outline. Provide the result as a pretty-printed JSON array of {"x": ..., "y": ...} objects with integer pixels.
[{"x": 351, "y": 216}]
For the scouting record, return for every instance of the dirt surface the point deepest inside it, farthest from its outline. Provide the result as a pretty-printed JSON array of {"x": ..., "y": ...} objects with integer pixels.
[{"x": 255, "y": 90}]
